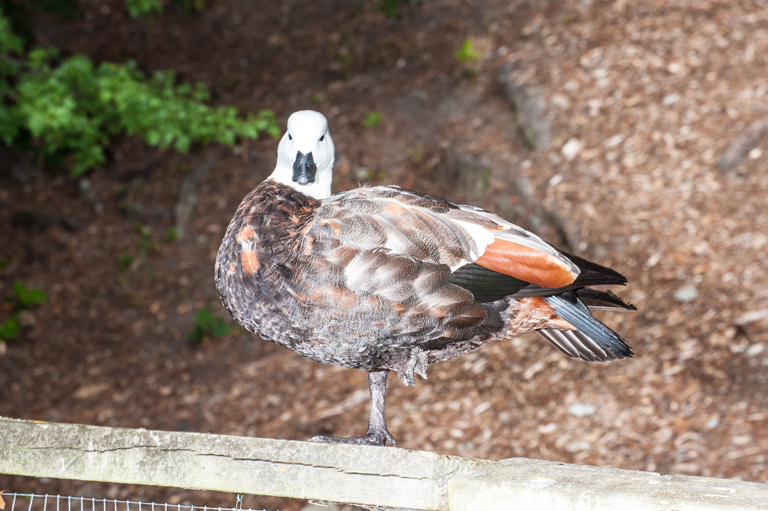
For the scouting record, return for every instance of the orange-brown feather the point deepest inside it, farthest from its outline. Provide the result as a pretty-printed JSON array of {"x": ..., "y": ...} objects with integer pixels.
[
  {"x": 250, "y": 261},
  {"x": 340, "y": 296},
  {"x": 526, "y": 264},
  {"x": 533, "y": 313},
  {"x": 246, "y": 234}
]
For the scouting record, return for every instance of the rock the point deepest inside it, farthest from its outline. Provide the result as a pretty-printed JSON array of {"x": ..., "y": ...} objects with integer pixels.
[
  {"x": 751, "y": 317},
  {"x": 614, "y": 141},
  {"x": 581, "y": 409},
  {"x": 686, "y": 294},
  {"x": 671, "y": 99},
  {"x": 571, "y": 148},
  {"x": 546, "y": 429},
  {"x": 578, "y": 446},
  {"x": 560, "y": 101},
  {"x": 753, "y": 324}
]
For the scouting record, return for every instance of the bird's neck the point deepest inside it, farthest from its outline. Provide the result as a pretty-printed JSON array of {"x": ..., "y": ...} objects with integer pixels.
[{"x": 320, "y": 189}]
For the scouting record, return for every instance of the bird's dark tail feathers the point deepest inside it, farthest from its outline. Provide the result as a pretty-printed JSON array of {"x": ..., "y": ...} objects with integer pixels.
[{"x": 592, "y": 341}]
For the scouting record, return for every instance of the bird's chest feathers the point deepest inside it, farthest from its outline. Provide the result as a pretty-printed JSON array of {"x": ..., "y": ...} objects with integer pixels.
[{"x": 270, "y": 228}]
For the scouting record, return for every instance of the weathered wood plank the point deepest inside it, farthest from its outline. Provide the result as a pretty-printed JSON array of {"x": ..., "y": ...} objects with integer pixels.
[
  {"x": 338, "y": 473},
  {"x": 522, "y": 484},
  {"x": 377, "y": 476}
]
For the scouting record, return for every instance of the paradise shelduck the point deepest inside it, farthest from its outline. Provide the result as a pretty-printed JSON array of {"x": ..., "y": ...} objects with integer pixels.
[{"x": 381, "y": 278}]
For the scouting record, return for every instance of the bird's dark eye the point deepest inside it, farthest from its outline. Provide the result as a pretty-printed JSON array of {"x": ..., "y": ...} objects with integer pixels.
[
  {"x": 290, "y": 137},
  {"x": 322, "y": 138}
]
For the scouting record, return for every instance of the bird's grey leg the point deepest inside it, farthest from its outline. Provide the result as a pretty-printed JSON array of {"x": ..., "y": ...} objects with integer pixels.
[{"x": 377, "y": 422}]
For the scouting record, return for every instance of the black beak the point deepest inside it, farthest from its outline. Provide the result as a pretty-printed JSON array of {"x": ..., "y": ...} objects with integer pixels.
[{"x": 304, "y": 168}]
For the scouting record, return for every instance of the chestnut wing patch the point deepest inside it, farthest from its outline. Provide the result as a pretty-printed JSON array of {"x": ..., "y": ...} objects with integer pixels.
[
  {"x": 488, "y": 285},
  {"x": 526, "y": 263}
]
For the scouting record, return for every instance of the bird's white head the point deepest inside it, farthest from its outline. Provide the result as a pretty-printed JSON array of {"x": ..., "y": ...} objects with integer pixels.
[{"x": 305, "y": 155}]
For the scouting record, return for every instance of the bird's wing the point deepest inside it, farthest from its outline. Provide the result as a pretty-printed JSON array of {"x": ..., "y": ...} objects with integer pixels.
[
  {"x": 398, "y": 245},
  {"x": 436, "y": 231},
  {"x": 590, "y": 340}
]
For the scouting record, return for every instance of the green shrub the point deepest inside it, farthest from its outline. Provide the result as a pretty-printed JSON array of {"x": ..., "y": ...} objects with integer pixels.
[{"x": 67, "y": 109}]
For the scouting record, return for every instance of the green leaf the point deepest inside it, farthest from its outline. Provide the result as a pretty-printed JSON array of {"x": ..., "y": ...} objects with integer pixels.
[
  {"x": 124, "y": 261},
  {"x": 41, "y": 57},
  {"x": 10, "y": 329},
  {"x": 9, "y": 42},
  {"x": 172, "y": 234},
  {"x": 7, "y": 68},
  {"x": 373, "y": 120},
  {"x": 25, "y": 298},
  {"x": 9, "y": 124},
  {"x": 466, "y": 53},
  {"x": 208, "y": 325},
  {"x": 143, "y": 7}
]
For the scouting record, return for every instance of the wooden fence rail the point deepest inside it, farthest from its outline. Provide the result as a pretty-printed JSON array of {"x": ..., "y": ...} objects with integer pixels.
[{"x": 374, "y": 476}]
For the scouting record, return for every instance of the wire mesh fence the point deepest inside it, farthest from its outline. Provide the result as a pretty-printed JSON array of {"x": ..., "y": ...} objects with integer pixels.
[{"x": 35, "y": 502}]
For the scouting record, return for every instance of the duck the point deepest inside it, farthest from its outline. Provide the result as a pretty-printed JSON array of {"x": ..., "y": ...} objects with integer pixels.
[{"x": 382, "y": 278}]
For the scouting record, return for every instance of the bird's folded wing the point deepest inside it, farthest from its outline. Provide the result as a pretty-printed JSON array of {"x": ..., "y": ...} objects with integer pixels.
[{"x": 436, "y": 231}]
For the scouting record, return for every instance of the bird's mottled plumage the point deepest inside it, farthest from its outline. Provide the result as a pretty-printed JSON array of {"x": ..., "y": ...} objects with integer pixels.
[{"x": 385, "y": 279}]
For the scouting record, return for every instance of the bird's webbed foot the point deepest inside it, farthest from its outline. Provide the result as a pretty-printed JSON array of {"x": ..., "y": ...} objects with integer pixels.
[{"x": 372, "y": 438}]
